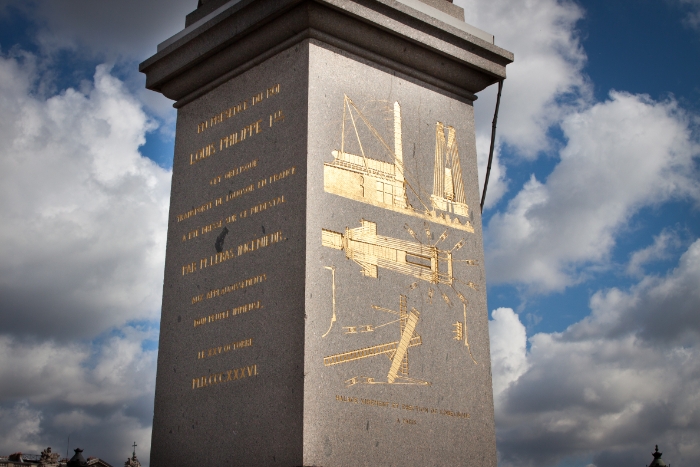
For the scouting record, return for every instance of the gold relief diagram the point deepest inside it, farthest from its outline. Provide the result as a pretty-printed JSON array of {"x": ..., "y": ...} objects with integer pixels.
[
  {"x": 387, "y": 184},
  {"x": 396, "y": 351},
  {"x": 434, "y": 266}
]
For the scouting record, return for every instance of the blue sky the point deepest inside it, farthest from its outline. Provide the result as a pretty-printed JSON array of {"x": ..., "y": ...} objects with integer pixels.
[{"x": 592, "y": 226}]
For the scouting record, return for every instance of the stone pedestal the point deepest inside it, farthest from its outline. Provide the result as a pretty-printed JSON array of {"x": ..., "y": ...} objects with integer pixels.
[{"x": 324, "y": 300}]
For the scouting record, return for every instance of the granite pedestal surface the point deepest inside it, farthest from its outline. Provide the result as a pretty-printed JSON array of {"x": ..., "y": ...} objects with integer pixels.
[{"x": 324, "y": 301}]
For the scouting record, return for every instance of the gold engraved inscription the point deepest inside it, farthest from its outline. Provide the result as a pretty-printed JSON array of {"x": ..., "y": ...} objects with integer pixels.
[
  {"x": 232, "y": 173},
  {"x": 245, "y": 283},
  {"x": 258, "y": 208},
  {"x": 221, "y": 349},
  {"x": 238, "y": 108},
  {"x": 201, "y": 154},
  {"x": 225, "y": 377},
  {"x": 232, "y": 253},
  {"x": 402, "y": 406},
  {"x": 234, "y": 194},
  {"x": 266, "y": 205},
  {"x": 195, "y": 211},
  {"x": 239, "y": 310},
  {"x": 387, "y": 183},
  {"x": 277, "y": 117},
  {"x": 232, "y": 139}
]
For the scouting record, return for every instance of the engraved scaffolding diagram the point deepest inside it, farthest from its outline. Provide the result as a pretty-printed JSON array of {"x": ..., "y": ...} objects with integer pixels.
[{"x": 384, "y": 184}]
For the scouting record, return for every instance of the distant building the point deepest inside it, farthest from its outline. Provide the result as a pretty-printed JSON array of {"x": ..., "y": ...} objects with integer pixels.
[
  {"x": 658, "y": 461},
  {"x": 47, "y": 458}
]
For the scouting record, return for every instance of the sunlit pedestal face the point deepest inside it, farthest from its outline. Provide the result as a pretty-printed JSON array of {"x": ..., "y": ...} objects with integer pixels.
[{"x": 324, "y": 298}]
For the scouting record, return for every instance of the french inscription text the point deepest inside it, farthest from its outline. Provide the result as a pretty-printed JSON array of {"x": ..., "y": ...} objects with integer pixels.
[
  {"x": 218, "y": 350},
  {"x": 225, "y": 376},
  {"x": 213, "y": 293},
  {"x": 238, "y": 108}
]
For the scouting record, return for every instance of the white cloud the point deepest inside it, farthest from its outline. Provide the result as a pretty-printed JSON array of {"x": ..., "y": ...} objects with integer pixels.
[
  {"x": 692, "y": 18},
  {"x": 98, "y": 393},
  {"x": 508, "y": 349},
  {"x": 83, "y": 225},
  {"x": 75, "y": 420},
  {"x": 122, "y": 33},
  {"x": 84, "y": 215},
  {"x": 663, "y": 242},
  {"x": 545, "y": 82},
  {"x": 19, "y": 430},
  {"x": 616, "y": 383},
  {"x": 622, "y": 155},
  {"x": 498, "y": 183}
]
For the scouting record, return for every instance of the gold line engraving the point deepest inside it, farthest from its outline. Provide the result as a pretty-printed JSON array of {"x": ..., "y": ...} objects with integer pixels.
[
  {"x": 371, "y": 251},
  {"x": 384, "y": 184},
  {"x": 396, "y": 351},
  {"x": 388, "y": 348},
  {"x": 333, "y": 318}
]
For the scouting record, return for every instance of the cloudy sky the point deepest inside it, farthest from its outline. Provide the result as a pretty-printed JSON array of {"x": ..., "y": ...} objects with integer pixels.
[{"x": 592, "y": 227}]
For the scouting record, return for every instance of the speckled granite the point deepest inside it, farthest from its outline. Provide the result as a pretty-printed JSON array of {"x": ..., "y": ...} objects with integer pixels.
[{"x": 324, "y": 298}]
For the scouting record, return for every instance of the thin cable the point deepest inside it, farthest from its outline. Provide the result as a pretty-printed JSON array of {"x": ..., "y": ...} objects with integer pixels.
[{"x": 493, "y": 142}]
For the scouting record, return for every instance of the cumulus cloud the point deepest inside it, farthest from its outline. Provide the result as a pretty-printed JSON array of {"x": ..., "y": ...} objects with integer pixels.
[
  {"x": 614, "y": 384},
  {"x": 621, "y": 155},
  {"x": 83, "y": 227},
  {"x": 508, "y": 343},
  {"x": 98, "y": 393},
  {"x": 545, "y": 82},
  {"x": 21, "y": 428},
  {"x": 83, "y": 215},
  {"x": 122, "y": 33},
  {"x": 660, "y": 249},
  {"x": 498, "y": 181}
]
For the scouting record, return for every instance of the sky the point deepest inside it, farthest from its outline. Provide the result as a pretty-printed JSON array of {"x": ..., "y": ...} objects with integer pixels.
[{"x": 591, "y": 227}]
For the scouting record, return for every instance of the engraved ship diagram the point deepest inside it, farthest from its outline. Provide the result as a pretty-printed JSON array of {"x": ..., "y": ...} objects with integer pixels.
[
  {"x": 396, "y": 351},
  {"x": 384, "y": 184},
  {"x": 372, "y": 251}
]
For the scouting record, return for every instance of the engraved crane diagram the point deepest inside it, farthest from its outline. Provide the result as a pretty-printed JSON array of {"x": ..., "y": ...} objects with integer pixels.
[
  {"x": 387, "y": 183},
  {"x": 397, "y": 351}
]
